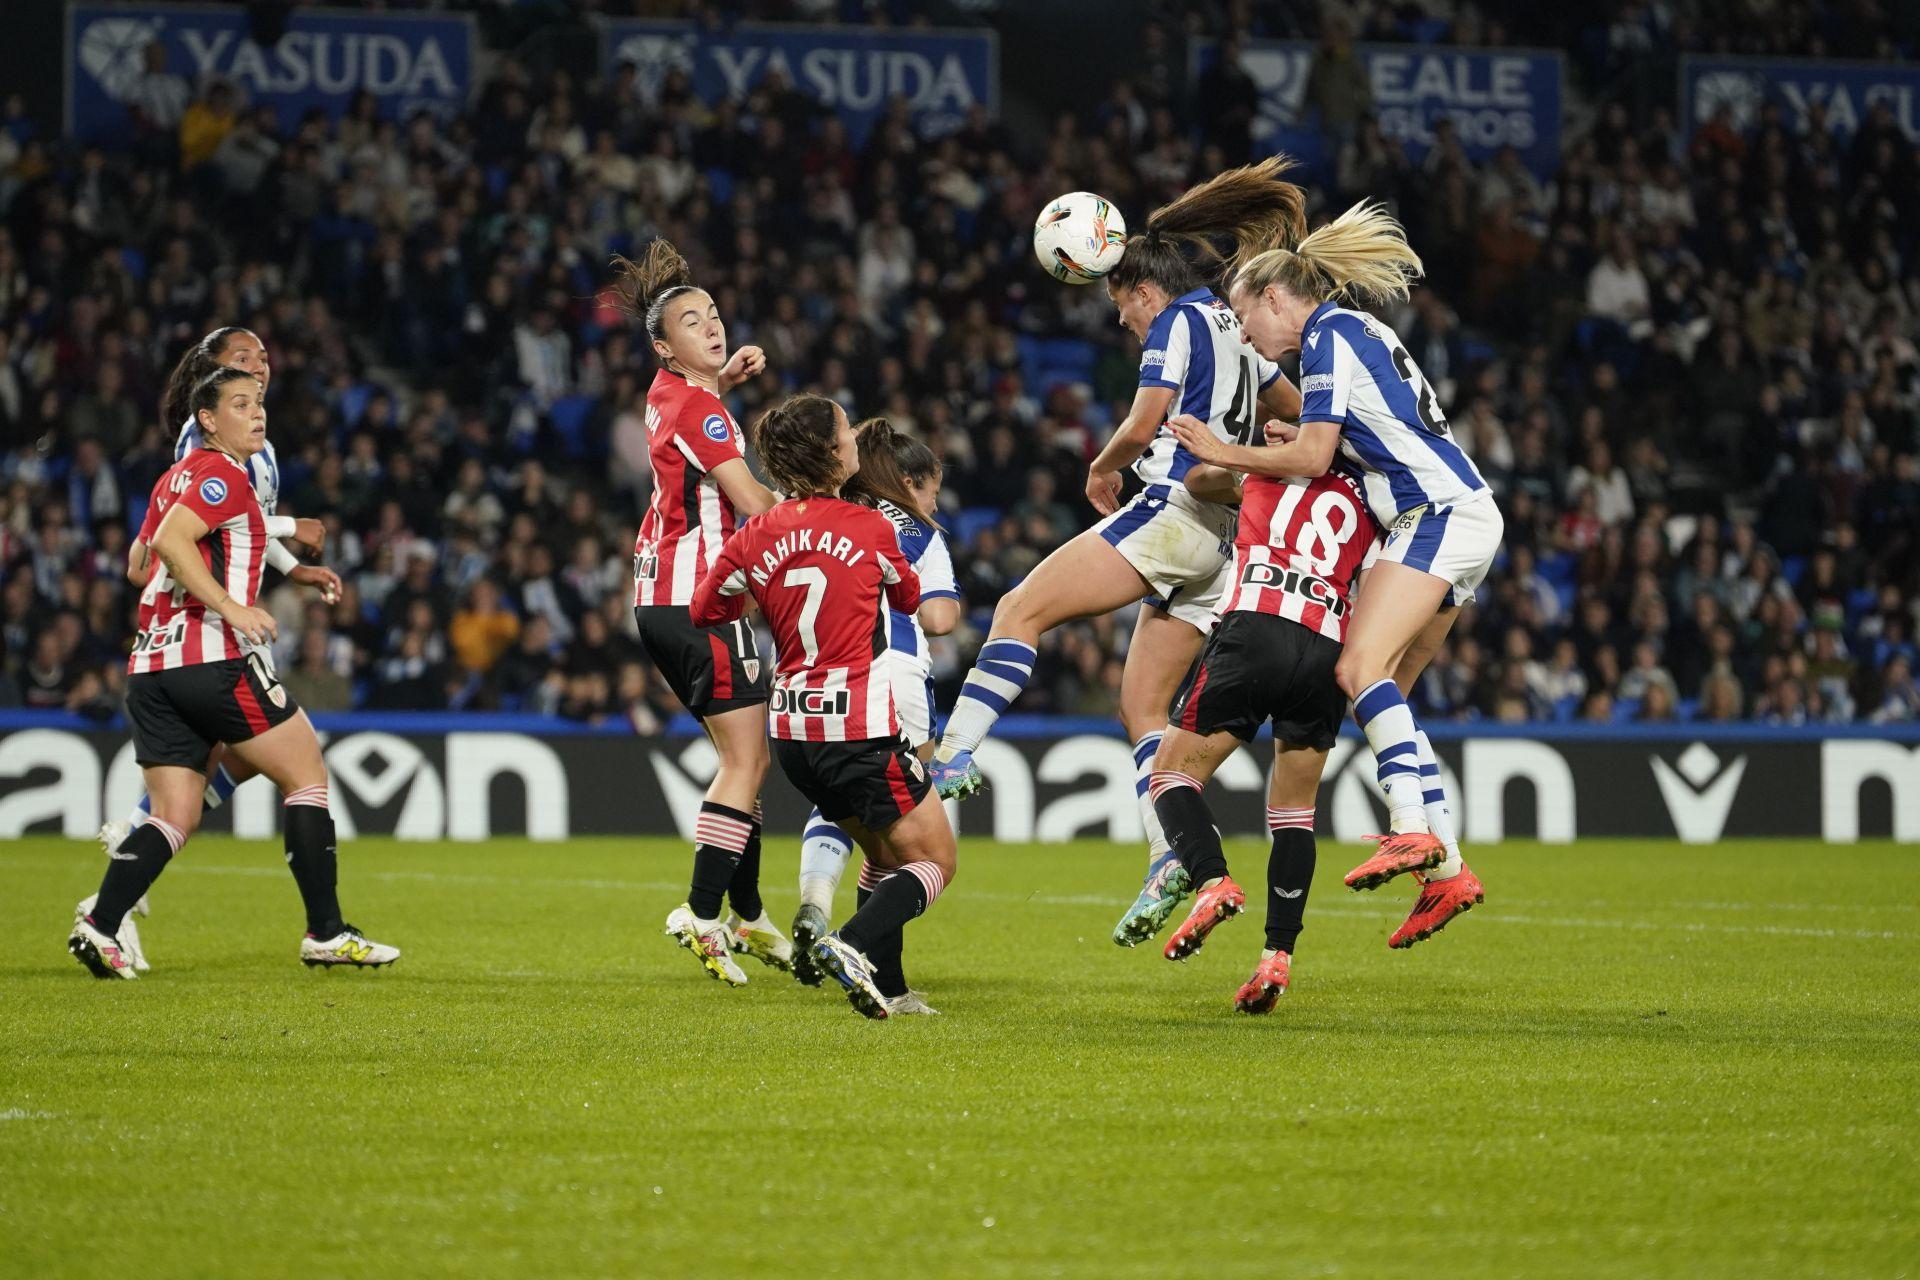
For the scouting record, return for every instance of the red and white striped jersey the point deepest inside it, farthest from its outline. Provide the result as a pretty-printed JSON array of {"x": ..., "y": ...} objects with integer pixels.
[
  {"x": 824, "y": 572},
  {"x": 1299, "y": 545},
  {"x": 177, "y": 630},
  {"x": 689, "y": 433}
]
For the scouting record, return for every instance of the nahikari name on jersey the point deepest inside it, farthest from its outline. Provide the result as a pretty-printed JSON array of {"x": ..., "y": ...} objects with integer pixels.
[{"x": 824, "y": 541}]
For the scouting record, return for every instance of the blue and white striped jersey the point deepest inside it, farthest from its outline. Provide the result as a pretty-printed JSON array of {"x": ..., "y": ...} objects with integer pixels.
[
  {"x": 1356, "y": 373},
  {"x": 263, "y": 468},
  {"x": 925, "y": 548},
  {"x": 1195, "y": 350}
]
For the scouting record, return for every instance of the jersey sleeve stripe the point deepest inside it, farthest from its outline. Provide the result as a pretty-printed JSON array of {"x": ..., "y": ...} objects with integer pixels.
[{"x": 1198, "y": 397}]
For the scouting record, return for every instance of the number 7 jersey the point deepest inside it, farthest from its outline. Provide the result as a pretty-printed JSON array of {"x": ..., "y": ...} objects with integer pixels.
[
  {"x": 1356, "y": 373},
  {"x": 823, "y": 571}
]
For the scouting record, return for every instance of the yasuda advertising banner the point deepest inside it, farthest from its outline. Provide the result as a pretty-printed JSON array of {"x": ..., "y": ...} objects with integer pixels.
[
  {"x": 1494, "y": 97},
  {"x": 849, "y": 71},
  {"x": 322, "y": 59},
  {"x": 1845, "y": 91}
]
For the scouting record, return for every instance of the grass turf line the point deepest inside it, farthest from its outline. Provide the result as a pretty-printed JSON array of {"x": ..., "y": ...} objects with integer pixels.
[{"x": 1636, "y": 1059}]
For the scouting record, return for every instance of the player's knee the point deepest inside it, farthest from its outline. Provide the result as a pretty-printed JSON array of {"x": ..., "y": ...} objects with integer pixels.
[{"x": 1354, "y": 671}]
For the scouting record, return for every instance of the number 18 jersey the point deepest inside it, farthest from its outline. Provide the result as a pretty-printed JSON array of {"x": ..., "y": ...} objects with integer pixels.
[
  {"x": 1298, "y": 548},
  {"x": 1195, "y": 350}
]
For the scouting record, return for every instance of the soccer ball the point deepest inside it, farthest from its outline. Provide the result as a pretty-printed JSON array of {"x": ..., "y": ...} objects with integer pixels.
[{"x": 1079, "y": 237}]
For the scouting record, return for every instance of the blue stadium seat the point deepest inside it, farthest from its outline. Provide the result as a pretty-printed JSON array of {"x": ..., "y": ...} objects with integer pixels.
[
  {"x": 1687, "y": 708},
  {"x": 1625, "y": 710},
  {"x": 1566, "y": 708},
  {"x": 354, "y": 401},
  {"x": 1861, "y": 601},
  {"x": 971, "y": 520},
  {"x": 136, "y": 512},
  {"x": 1793, "y": 568},
  {"x": 569, "y": 416},
  {"x": 720, "y": 182},
  {"x": 135, "y": 262}
]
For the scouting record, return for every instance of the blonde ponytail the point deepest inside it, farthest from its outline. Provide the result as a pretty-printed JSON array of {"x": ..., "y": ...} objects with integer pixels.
[{"x": 1362, "y": 254}]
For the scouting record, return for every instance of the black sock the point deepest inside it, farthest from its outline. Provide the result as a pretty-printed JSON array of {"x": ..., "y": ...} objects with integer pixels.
[
  {"x": 894, "y": 901},
  {"x": 720, "y": 840},
  {"x": 888, "y": 975},
  {"x": 136, "y": 864},
  {"x": 744, "y": 891},
  {"x": 1289, "y": 877},
  {"x": 1189, "y": 826},
  {"x": 310, "y": 856}
]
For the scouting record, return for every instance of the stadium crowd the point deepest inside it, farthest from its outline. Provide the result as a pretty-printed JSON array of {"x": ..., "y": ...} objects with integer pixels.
[{"x": 1687, "y": 366}]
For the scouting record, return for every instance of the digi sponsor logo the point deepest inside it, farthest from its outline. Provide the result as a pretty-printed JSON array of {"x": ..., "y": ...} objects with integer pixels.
[{"x": 825, "y": 703}]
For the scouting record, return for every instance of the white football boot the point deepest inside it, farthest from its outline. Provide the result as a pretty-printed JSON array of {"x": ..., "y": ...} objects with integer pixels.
[
  {"x": 762, "y": 940},
  {"x": 710, "y": 941},
  {"x": 99, "y": 951},
  {"x": 349, "y": 948}
]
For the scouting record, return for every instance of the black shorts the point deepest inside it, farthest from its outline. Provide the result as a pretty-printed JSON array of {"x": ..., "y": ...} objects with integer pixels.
[
  {"x": 1258, "y": 668},
  {"x": 179, "y": 715},
  {"x": 710, "y": 669},
  {"x": 876, "y": 780}
]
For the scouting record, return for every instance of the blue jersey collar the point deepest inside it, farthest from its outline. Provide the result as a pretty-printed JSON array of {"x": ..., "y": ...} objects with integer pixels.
[
  {"x": 1320, "y": 312},
  {"x": 1202, "y": 294}
]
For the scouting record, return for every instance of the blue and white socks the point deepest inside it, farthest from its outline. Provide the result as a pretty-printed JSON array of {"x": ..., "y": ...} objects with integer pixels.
[
  {"x": 1143, "y": 753},
  {"x": 999, "y": 675},
  {"x": 824, "y": 850},
  {"x": 1439, "y": 815},
  {"x": 1388, "y": 723}
]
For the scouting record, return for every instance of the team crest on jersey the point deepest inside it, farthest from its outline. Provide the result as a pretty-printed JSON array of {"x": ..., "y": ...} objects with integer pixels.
[
  {"x": 213, "y": 490},
  {"x": 716, "y": 427},
  {"x": 752, "y": 667}
]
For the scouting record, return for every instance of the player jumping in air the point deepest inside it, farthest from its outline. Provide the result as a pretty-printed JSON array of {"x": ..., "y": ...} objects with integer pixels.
[
  {"x": 825, "y": 571},
  {"x": 1364, "y": 397},
  {"x": 901, "y": 479},
  {"x": 701, "y": 490},
  {"x": 1289, "y": 588},
  {"x": 196, "y": 680},
  {"x": 230, "y": 347},
  {"x": 1165, "y": 549}
]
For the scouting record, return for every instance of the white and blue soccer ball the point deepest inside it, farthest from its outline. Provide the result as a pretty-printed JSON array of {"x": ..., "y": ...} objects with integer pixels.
[{"x": 1079, "y": 237}]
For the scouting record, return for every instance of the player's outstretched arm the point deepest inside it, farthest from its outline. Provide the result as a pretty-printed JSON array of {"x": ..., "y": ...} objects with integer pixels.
[
  {"x": 1308, "y": 454},
  {"x": 748, "y": 496},
  {"x": 1124, "y": 447},
  {"x": 1213, "y": 484}
]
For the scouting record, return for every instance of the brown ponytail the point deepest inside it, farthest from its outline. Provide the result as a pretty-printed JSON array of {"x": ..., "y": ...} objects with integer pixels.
[
  {"x": 645, "y": 287},
  {"x": 880, "y": 477},
  {"x": 1252, "y": 204}
]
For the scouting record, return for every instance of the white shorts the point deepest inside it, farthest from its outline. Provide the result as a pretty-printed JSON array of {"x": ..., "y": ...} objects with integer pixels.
[
  {"x": 912, "y": 698},
  {"x": 1181, "y": 547},
  {"x": 1456, "y": 543}
]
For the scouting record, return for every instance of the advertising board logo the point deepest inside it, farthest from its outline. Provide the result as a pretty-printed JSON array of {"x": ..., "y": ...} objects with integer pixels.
[
  {"x": 1697, "y": 800},
  {"x": 652, "y": 56},
  {"x": 113, "y": 52},
  {"x": 1740, "y": 93}
]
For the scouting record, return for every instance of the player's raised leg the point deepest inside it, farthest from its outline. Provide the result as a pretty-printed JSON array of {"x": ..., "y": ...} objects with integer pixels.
[
  {"x": 1081, "y": 579},
  {"x": 1162, "y": 651},
  {"x": 1403, "y": 599},
  {"x": 1185, "y": 762}
]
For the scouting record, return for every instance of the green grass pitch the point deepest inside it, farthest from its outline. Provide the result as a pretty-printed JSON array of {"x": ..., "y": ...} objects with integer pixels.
[{"x": 1635, "y": 1060}]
